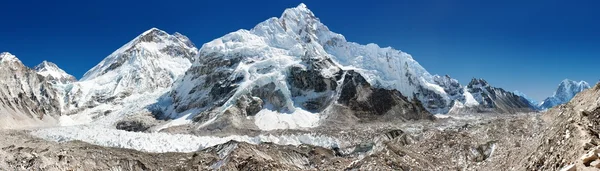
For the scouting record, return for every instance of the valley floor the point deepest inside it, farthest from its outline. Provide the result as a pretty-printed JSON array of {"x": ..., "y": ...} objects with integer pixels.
[{"x": 471, "y": 142}]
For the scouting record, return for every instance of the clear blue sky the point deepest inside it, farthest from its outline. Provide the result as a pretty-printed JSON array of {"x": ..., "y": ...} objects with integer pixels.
[{"x": 517, "y": 45}]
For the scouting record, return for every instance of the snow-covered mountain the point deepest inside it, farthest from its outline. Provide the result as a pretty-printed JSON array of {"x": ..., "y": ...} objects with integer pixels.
[
  {"x": 26, "y": 98},
  {"x": 125, "y": 82},
  {"x": 52, "y": 72},
  {"x": 286, "y": 72},
  {"x": 567, "y": 89},
  {"x": 292, "y": 71},
  {"x": 150, "y": 62},
  {"x": 534, "y": 103},
  {"x": 492, "y": 99}
]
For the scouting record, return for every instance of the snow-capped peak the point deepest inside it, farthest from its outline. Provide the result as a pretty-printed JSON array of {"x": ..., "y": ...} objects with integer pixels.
[
  {"x": 299, "y": 13},
  {"x": 53, "y": 73},
  {"x": 567, "y": 89},
  {"x": 6, "y": 56},
  {"x": 153, "y": 29},
  {"x": 150, "y": 63},
  {"x": 151, "y": 43},
  {"x": 241, "y": 64},
  {"x": 50, "y": 69},
  {"x": 478, "y": 82},
  {"x": 302, "y": 6}
]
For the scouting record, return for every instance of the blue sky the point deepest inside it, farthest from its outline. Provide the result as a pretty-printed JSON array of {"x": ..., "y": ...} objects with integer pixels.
[{"x": 517, "y": 45}]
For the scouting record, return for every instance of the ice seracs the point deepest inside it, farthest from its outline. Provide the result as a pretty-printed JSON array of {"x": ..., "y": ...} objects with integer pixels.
[{"x": 567, "y": 89}]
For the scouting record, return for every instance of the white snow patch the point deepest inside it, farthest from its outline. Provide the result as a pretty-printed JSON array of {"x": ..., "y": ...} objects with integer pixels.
[
  {"x": 65, "y": 120},
  {"x": 270, "y": 120},
  {"x": 469, "y": 99},
  {"x": 441, "y": 116},
  {"x": 176, "y": 122}
]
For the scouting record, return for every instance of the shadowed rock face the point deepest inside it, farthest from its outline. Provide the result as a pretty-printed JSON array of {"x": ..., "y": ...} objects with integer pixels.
[
  {"x": 370, "y": 102},
  {"x": 315, "y": 84}
]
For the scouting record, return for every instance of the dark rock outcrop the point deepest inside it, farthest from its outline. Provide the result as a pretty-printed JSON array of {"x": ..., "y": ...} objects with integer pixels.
[{"x": 369, "y": 102}]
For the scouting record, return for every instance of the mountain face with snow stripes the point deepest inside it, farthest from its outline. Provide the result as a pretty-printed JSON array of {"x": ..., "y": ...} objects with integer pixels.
[{"x": 289, "y": 72}]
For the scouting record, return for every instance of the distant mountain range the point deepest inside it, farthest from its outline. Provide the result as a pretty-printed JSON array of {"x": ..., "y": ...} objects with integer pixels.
[
  {"x": 285, "y": 73},
  {"x": 567, "y": 89}
]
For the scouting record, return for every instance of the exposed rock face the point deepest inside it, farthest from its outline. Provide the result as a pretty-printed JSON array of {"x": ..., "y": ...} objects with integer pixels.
[
  {"x": 26, "y": 98},
  {"x": 371, "y": 103}
]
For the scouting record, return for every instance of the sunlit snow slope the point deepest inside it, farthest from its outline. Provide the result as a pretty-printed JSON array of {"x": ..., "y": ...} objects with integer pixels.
[{"x": 150, "y": 62}]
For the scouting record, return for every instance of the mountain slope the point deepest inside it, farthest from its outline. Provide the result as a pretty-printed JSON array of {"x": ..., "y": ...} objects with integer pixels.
[
  {"x": 26, "y": 98},
  {"x": 567, "y": 89},
  {"x": 532, "y": 102}
]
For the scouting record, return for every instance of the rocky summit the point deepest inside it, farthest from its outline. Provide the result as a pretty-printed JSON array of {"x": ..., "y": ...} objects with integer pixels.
[{"x": 287, "y": 94}]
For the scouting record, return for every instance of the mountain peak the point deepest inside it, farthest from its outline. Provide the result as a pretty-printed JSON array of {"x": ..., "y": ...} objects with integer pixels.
[
  {"x": 152, "y": 35},
  {"x": 566, "y": 81},
  {"x": 301, "y": 5},
  {"x": 49, "y": 69},
  {"x": 45, "y": 65},
  {"x": 301, "y": 8},
  {"x": 146, "y": 49},
  {"x": 297, "y": 18},
  {"x": 153, "y": 29},
  {"x": 567, "y": 89},
  {"x": 478, "y": 81},
  {"x": 6, "y": 56},
  {"x": 568, "y": 85}
]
